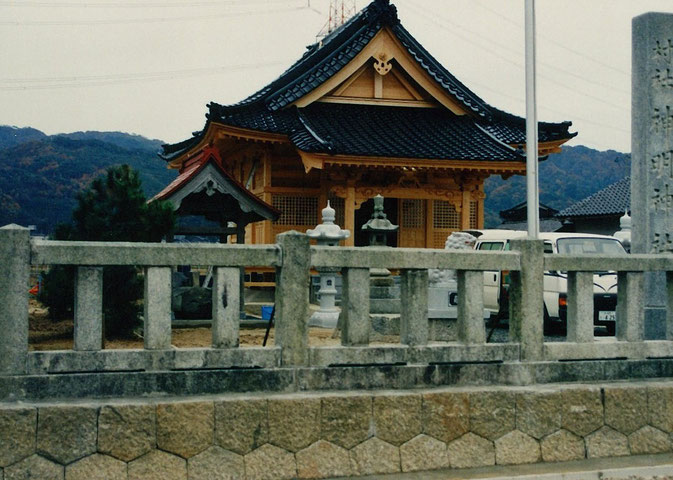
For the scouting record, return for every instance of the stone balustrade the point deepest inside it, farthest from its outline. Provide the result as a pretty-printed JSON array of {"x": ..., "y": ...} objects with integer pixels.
[{"x": 294, "y": 365}]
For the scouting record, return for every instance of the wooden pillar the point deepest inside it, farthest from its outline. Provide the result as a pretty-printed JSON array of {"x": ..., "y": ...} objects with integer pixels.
[
  {"x": 349, "y": 216},
  {"x": 429, "y": 223},
  {"x": 465, "y": 210}
]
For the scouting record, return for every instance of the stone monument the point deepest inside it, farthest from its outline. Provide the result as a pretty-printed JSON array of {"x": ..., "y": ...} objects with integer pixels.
[
  {"x": 330, "y": 234},
  {"x": 652, "y": 154}
]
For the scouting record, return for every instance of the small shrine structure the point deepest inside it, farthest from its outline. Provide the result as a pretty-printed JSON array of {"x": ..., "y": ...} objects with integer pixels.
[{"x": 366, "y": 111}]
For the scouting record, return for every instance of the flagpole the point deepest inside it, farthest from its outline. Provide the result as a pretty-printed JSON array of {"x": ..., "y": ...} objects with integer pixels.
[{"x": 532, "y": 196}]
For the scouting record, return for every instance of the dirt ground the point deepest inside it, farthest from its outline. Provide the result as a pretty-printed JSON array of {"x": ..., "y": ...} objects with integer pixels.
[{"x": 47, "y": 335}]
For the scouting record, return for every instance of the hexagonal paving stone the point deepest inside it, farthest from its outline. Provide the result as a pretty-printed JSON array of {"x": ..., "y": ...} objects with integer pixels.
[
  {"x": 294, "y": 423},
  {"x": 127, "y": 431},
  {"x": 424, "y": 453},
  {"x": 492, "y": 414},
  {"x": 606, "y": 442},
  {"x": 185, "y": 428},
  {"x": 323, "y": 460},
  {"x": 624, "y": 408},
  {"x": 241, "y": 425},
  {"x": 68, "y": 433},
  {"x": 446, "y": 416},
  {"x": 216, "y": 464},
  {"x": 397, "y": 417},
  {"x": 375, "y": 456},
  {"x": 581, "y": 411},
  {"x": 471, "y": 450},
  {"x": 660, "y": 407},
  {"x": 158, "y": 465},
  {"x": 538, "y": 413},
  {"x": 34, "y": 467},
  {"x": 269, "y": 462},
  {"x": 345, "y": 420},
  {"x": 562, "y": 446},
  {"x": 96, "y": 467},
  {"x": 516, "y": 448},
  {"x": 649, "y": 440},
  {"x": 17, "y": 434}
]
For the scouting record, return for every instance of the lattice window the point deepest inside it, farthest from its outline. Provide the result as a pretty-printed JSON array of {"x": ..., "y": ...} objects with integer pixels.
[
  {"x": 474, "y": 207},
  {"x": 413, "y": 213},
  {"x": 296, "y": 211},
  {"x": 445, "y": 215},
  {"x": 339, "y": 205}
]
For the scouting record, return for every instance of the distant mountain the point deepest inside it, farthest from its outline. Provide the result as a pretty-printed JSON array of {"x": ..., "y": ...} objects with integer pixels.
[
  {"x": 10, "y": 136},
  {"x": 41, "y": 175},
  {"x": 564, "y": 179}
]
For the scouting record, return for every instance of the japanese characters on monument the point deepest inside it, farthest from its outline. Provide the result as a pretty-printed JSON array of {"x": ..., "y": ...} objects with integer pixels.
[{"x": 652, "y": 136}]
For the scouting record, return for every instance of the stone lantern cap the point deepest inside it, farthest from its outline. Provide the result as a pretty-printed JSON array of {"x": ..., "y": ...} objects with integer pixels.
[
  {"x": 379, "y": 221},
  {"x": 328, "y": 230}
]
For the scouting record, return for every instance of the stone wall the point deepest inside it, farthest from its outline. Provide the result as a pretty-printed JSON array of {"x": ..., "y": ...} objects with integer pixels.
[{"x": 333, "y": 434}]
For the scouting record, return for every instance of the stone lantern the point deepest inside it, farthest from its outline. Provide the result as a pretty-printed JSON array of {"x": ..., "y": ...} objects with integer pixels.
[
  {"x": 379, "y": 227},
  {"x": 624, "y": 234},
  {"x": 327, "y": 234}
]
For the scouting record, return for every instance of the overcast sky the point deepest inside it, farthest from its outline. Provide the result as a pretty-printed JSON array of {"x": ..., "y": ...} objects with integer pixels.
[{"x": 151, "y": 66}]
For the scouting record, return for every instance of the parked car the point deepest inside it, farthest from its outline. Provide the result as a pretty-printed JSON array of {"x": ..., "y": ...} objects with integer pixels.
[{"x": 496, "y": 283}]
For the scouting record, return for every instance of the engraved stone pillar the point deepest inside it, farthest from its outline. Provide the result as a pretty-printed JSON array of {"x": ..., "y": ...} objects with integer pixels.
[
  {"x": 157, "y": 327},
  {"x": 226, "y": 307},
  {"x": 652, "y": 154}
]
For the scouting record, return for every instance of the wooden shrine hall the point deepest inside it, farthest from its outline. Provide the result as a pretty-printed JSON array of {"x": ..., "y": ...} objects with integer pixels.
[{"x": 366, "y": 111}]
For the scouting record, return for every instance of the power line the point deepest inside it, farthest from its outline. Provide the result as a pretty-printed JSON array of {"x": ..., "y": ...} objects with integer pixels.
[
  {"x": 135, "y": 4},
  {"x": 557, "y": 43},
  {"x": 9, "y": 84},
  {"x": 42, "y": 23},
  {"x": 432, "y": 18}
]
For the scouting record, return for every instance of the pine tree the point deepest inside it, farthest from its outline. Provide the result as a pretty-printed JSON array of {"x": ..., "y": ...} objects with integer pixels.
[{"x": 112, "y": 209}]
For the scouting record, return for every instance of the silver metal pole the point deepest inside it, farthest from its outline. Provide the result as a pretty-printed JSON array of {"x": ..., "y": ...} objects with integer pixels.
[{"x": 532, "y": 200}]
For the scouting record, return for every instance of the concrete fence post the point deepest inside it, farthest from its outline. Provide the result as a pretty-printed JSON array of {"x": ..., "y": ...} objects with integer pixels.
[
  {"x": 414, "y": 327},
  {"x": 355, "y": 307},
  {"x": 526, "y": 302},
  {"x": 88, "y": 308},
  {"x": 471, "y": 328},
  {"x": 15, "y": 260},
  {"x": 630, "y": 306},
  {"x": 157, "y": 328},
  {"x": 580, "y": 320},
  {"x": 292, "y": 298},
  {"x": 226, "y": 297},
  {"x": 669, "y": 305}
]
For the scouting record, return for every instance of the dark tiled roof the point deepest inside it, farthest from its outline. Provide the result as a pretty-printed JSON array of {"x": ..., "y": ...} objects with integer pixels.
[
  {"x": 267, "y": 110},
  {"x": 382, "y": 131},
  {"x": 612, "y": 200}
]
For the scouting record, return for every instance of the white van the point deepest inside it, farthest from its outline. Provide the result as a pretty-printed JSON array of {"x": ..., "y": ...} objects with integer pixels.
[{"x": 555, "y": 283}]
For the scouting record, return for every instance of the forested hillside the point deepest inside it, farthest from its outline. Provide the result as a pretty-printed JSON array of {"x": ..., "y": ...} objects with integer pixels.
[{"x": 40, "y": 175}]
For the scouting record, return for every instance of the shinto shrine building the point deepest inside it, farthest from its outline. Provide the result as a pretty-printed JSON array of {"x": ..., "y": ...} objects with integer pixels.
[{"x": 365, "y": 111}]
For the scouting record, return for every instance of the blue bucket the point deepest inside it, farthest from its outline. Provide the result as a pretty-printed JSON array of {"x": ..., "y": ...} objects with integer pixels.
[{"x": 266, "y": 312}]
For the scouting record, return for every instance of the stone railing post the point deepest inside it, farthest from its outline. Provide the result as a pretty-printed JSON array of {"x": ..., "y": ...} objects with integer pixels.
[
  {"x": 355, "y": 321},
  {"x": 15, "y": 261},
  {"x": 157, "y": 328},
  {"x": 292, "y": 298},
  {"x": 88, "y": 308},
  {"x": 414, "y": 312},
  {"x": 580, "y": 322},
  {"x": 525, "y": 297},
  {"x": 630, "y": 306},
  {"x": 226, "y": 307},
  {"x": 669, "y": 306},
  {"x": 471, "y": 328}
]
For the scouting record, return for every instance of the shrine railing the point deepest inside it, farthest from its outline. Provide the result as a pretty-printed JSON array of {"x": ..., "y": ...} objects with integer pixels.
[{"x": 525, "y": 353}]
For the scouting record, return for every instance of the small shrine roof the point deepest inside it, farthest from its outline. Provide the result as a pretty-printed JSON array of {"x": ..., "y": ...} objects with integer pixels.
[
  {"x": 612, "y": 200},
  {"x": 208, "y": 169},
  {"x": 271, "y": 108}
]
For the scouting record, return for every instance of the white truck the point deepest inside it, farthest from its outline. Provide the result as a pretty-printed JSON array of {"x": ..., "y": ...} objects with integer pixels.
[{"x": 555, "y": 283}]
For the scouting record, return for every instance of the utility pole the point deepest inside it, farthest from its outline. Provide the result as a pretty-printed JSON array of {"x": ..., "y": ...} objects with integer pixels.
[{"x": 532, "y": 189}]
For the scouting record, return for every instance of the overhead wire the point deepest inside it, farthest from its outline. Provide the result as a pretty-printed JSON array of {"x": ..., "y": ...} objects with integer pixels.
[
  {"x": 17, "y": 84},
  {"x": 134, "y": 4},
  {"x": 126, "y": 21}
]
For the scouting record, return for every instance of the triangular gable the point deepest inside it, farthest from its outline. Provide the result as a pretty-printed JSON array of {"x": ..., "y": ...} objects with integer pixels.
[{"x": 383, "y": 72}]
